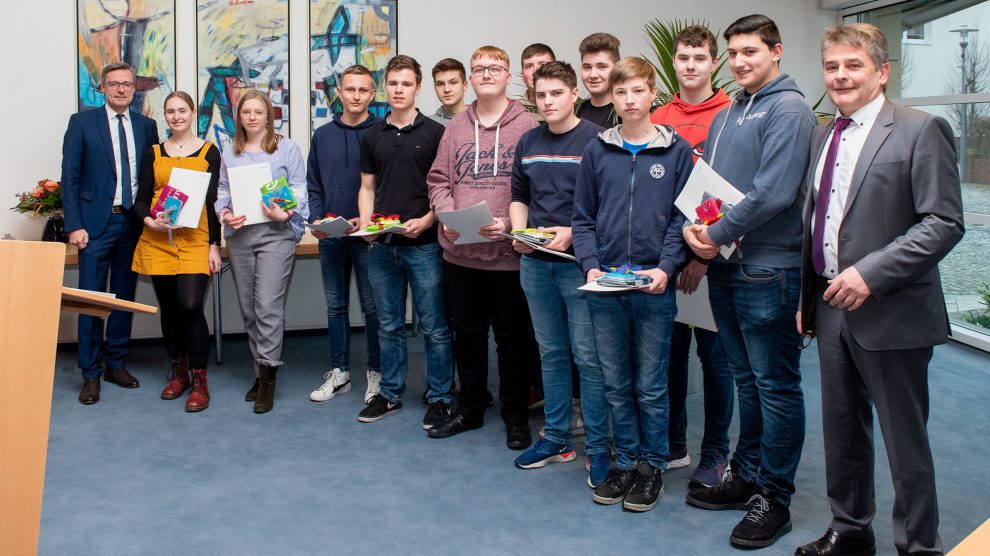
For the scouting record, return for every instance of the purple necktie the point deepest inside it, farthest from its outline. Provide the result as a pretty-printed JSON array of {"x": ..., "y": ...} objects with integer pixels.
[{"x": 824, "y": 194}]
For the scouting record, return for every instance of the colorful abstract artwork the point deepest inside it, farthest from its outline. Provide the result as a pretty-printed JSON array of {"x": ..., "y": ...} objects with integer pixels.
[
  {"x": 343, "y": 33},
  {"x": 138, "y": 32},
  {"x": 240, "y": 45}
]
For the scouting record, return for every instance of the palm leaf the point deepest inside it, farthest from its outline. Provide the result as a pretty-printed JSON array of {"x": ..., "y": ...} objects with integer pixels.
[{"x": 661, "y": 35}]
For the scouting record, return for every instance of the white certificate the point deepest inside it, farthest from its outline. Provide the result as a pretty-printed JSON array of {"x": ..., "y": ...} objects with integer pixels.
[
  {"x": 704, "y": 179},
  {"x": 245, "y": 190},
  {"x": 194, "y": 184},
  {"x": 467, "y": 222},
  {"x": 695, "y": 308}
]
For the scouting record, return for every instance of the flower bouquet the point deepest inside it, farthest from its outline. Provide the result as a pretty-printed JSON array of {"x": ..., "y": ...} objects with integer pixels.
[
  {"x": 44, "y": 201},
  {"x": 41, "y": 202}
]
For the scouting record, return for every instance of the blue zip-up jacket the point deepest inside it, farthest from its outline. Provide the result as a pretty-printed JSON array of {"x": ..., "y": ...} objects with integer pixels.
[
  {"x": 333, "y": 174},
  {"x": 761, "y": 145},
  {"x": 624, "y": 209}
]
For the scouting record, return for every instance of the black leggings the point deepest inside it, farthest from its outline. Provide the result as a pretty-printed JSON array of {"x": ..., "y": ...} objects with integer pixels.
[{"x": 183, "y": 322}]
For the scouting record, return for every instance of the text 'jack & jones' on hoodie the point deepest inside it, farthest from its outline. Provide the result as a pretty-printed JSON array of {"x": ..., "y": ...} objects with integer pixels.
[{"x": 474, "y": 164}]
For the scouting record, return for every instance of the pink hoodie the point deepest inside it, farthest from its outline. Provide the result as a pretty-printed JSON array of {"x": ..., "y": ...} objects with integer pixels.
[{"x": 464, "y": 174}]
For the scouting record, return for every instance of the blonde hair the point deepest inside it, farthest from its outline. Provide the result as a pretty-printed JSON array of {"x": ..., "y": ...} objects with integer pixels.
[
  {"x": 269, "y": 143},
  {"x": 632, "y": 67},
  {"x": 493, "y": 52}
]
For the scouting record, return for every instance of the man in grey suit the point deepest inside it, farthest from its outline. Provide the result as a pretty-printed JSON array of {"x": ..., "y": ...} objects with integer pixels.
[{"x": 883, "y": 208}]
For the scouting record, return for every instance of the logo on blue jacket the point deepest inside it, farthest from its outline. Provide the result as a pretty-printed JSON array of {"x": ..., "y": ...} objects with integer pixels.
[{"x": 657, "y": 171}]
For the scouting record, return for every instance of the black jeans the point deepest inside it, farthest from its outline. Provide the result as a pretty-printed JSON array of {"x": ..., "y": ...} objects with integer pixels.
[{"x": 480, "y": 299}]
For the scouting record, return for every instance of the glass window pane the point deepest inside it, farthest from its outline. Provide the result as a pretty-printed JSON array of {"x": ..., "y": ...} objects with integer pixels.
[
  {"x": 965, "y": 272},
  {"x": 925, "y": 40}
]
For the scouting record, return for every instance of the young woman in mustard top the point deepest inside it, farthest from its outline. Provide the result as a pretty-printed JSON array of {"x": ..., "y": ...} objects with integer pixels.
[{"x": 180, "y": 269}]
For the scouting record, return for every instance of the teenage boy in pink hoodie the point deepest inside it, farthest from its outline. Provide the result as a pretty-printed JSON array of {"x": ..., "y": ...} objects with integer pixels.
[{"x": 481, "y": 280}]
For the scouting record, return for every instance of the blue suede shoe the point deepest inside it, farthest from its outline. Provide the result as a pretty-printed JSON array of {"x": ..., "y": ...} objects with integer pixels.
[
  {"x": 598, "y": 467},
  {"x": 544, "y": 452}
]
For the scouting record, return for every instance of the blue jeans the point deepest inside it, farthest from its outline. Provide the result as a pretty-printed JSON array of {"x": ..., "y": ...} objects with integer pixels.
[
  {"x": 390, "y": 270},
  {"x": 337, "y": 257},
  {"x": 563, "y": 326},
  {"x": 639, "y": 416},
  {"x": 754, "y": 309},
  {"x": 718, "y": 388},
  {"x": 108, "y": 257}
]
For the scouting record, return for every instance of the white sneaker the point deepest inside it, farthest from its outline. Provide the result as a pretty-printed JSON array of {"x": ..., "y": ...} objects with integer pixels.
[
  {"x": 374, "y": 379},
  {"x": 337, "y": 382}
]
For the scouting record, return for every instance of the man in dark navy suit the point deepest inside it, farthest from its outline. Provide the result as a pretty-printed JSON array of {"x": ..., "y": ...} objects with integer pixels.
[{"x": 101, "y": 156}]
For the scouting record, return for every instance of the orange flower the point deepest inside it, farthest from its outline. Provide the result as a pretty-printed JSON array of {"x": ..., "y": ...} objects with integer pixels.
[
  {"x": 50, "y": 185},
  {"x": 38, "y": 193}
]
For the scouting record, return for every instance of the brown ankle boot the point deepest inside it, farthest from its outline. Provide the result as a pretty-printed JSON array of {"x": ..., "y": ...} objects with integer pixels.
[
  {"x": 266, "y": 389},
  {"x": 252, "y": 394},
  {"x": 178, "y": 380},
  {"x": 199, "y": 394}
]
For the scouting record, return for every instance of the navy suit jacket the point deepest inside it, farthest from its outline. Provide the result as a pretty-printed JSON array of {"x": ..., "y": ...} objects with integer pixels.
[{"x": 89, "y": 169}]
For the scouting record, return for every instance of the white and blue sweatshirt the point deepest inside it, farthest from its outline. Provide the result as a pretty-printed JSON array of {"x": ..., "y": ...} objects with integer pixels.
[
  {"x": 761, "y": 146},
  {"x": 624, "y": 211}
]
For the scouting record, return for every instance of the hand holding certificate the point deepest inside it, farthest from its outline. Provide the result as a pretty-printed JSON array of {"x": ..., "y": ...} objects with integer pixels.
[
  {"x": 704, "y": 183},
  {"x": 468, "y": 222},
  {"x": 333, "y": 227},
  {"x": 537, "y": 247},
  {"x": 193, "y": 185}
]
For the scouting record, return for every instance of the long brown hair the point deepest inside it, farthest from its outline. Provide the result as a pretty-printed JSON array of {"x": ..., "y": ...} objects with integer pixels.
[{"x": 269, "y": 143}]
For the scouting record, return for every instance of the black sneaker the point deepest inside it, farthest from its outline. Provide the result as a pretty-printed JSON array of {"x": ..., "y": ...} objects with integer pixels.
[
  {"x": 645, "y": 490},
  {"x": 615, "y": 487},
  {"x": 766, "y": 521},
  {"x": 378, "y": 407},
  {"x": 438, "y": 413},
  {"x": 731, "y": 493}
]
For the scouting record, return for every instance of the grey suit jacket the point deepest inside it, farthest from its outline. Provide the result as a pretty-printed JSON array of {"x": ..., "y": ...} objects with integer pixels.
[{"x": 903, "y": 214}]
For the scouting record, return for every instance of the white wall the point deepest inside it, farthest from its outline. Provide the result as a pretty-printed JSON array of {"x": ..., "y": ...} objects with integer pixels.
[{"x": 41, "y": 83}]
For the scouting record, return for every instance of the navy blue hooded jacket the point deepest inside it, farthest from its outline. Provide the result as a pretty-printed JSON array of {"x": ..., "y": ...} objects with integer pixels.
[
  {"x": 624, "y": 209},
  {"x": 333, "y": 174}
]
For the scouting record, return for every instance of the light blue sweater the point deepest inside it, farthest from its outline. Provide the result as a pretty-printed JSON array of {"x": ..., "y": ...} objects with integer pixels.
[{"x": 286, "y": 161}]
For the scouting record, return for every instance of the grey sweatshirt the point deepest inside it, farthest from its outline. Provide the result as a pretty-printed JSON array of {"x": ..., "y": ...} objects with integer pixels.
[{"x": 760, "y": 144}]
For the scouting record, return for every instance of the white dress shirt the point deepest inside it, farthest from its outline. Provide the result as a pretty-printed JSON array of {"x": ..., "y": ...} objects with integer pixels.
[
  {"x": 851, "y": 145},
  {"x": 131, "y": 155}
]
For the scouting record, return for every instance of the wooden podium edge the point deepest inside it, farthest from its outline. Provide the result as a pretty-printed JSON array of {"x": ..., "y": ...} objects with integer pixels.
[{"x": 96, "y": 303}]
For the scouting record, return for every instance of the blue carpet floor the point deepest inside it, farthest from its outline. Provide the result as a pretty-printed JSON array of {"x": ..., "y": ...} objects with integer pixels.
[{"x": 136, "y": 475}]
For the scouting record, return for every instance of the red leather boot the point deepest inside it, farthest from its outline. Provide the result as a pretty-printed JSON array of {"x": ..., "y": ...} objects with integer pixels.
[
  {"x": 178, "y": 380},
  {"x": 199, "y": 394}
]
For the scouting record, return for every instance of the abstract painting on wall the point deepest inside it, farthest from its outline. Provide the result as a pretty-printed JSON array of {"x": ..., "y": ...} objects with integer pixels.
[
  {"x": 240, "y": 45},
  {"x": 343, "y": 33},
  {"x": 138, "y": 32}
]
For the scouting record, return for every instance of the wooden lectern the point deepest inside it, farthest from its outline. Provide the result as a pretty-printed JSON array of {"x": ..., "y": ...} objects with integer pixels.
[{"x": 31, "y": 296}]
